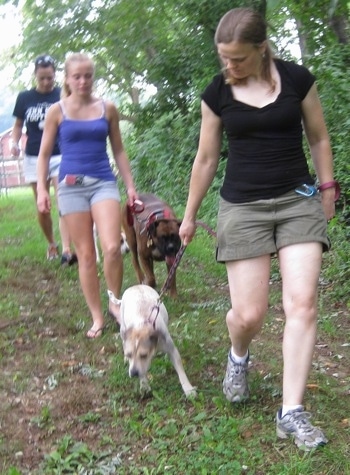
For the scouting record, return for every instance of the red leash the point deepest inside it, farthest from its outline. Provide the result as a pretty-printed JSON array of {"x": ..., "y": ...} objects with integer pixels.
[
  {"x": 206, "y": 227},
  {"x": 166, "y": 285},
  {"x": 171, "y": 273},
  {"x": 136, "y": 208}
]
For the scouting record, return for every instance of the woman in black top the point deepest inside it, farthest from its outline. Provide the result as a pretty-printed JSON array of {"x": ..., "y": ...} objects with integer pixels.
[
  {"x": 268, "y": 203},
  {"x": 30, "y": 110}
]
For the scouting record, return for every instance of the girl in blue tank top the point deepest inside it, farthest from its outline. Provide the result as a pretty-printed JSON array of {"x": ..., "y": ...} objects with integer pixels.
[{"x": 88, "y": 191}]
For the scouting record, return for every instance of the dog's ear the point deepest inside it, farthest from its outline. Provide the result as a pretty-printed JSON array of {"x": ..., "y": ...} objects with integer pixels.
[
  {"x": 125, "y": 334},
  {"x": 154, "y": 337},
  {"x": 179, "y": 222},
  {"x": 152, "y": 227}
]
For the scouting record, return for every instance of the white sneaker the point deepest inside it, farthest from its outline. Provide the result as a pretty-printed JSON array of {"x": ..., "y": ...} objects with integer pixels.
[
  {"x": 235, "y": 385},
  {"x": 297, "y": 425}
]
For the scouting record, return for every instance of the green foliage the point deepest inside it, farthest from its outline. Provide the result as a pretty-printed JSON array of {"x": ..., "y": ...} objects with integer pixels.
[
  {"x": 337, "y": 267},
  {"x": 44, "y": 419},
  {"x": 13, "y": 471},
  {"x": 332, "y": 69},
  {"x": 76, "y": 458},
  {"x": 159, "y": 159}
]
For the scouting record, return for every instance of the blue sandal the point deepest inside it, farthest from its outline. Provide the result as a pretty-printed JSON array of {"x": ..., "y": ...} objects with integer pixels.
[{"x": 68, "y": 259}]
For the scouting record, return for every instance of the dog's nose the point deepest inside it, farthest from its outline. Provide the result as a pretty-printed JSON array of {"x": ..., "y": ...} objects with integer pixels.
[
  {"x": 134, "y": 373},
  {"x": 170, "y": 249}
]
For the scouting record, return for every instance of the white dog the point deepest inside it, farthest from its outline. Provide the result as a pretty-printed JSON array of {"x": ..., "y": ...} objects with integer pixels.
[{"x": 144, "y": 330}]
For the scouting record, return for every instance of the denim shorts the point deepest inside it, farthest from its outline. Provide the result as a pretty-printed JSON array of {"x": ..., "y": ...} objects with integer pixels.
[
  {"x": 30, "y": 164},
  {"x": 80, "y": 197},
  {"x": 253, "y": 229}
]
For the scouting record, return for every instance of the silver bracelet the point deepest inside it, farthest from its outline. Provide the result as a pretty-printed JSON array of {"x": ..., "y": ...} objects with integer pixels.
[{"x": 14, "y": 144}]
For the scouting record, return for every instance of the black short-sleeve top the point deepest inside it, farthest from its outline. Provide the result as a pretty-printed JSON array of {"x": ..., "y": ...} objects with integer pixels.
[
  {"x": 266, "y": 157},
  {"x": 31, "y": 107}
]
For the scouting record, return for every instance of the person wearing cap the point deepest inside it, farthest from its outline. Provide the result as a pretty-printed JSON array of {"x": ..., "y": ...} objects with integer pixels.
[{"x": 30, "y": 111}]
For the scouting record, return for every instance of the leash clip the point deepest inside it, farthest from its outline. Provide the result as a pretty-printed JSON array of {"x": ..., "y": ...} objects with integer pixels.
[{"x": 306, "y": 190}]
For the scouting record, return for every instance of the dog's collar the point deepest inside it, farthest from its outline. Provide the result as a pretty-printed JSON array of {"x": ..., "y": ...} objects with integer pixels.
[
  {"x": 156, "y": 215},
  {"x": 149, "y": 321}
]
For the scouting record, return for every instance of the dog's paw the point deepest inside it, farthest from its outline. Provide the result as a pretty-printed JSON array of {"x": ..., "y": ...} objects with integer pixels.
[
  {"x": 145, "y": 388},
  {"x": 191, "y": 393}
]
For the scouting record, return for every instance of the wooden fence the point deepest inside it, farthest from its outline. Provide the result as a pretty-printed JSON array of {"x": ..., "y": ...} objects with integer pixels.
[{"x": 11, "y": 168}]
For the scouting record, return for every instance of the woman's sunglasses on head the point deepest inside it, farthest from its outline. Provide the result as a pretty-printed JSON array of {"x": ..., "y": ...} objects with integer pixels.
[{"x": 44, "y": 61}]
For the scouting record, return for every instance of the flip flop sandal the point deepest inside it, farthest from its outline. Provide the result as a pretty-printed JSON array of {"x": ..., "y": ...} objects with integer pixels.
[
  {"x": 52, "y": 252},
  {"x": 94, "y": 333}
]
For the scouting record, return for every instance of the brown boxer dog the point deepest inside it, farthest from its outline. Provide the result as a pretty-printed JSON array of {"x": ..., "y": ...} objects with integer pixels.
[{"x": 152, "y": 233}]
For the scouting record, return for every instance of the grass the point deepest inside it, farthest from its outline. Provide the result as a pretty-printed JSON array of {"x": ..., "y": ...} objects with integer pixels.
[{"x": 69, "y": 407}]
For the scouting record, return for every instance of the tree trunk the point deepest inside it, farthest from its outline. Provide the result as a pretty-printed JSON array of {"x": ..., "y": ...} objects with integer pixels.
[{"x": 340, "y": 27}]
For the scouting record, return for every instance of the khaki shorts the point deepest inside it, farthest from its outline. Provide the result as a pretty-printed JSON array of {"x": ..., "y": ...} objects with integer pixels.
[{"x": 253, "y": 229}]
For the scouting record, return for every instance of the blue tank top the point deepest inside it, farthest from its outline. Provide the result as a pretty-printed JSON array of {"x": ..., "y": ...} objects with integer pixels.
[{"x": 83, "y": 145}]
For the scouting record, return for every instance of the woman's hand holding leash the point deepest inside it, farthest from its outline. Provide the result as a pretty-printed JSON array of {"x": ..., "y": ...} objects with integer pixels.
[{"x": 187, "y": 231}]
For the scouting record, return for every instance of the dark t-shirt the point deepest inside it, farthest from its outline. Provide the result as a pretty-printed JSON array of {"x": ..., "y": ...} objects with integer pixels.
[
  {"x": 31, "y": 106},
  {"x": 266, "y": 157}
]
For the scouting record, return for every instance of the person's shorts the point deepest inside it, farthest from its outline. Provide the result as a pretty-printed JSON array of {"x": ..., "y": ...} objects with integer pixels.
[
  {"x": 253, "y": 229},
  {"x": 80, "y": 197},
  {"x": 30, "y": 164}
]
